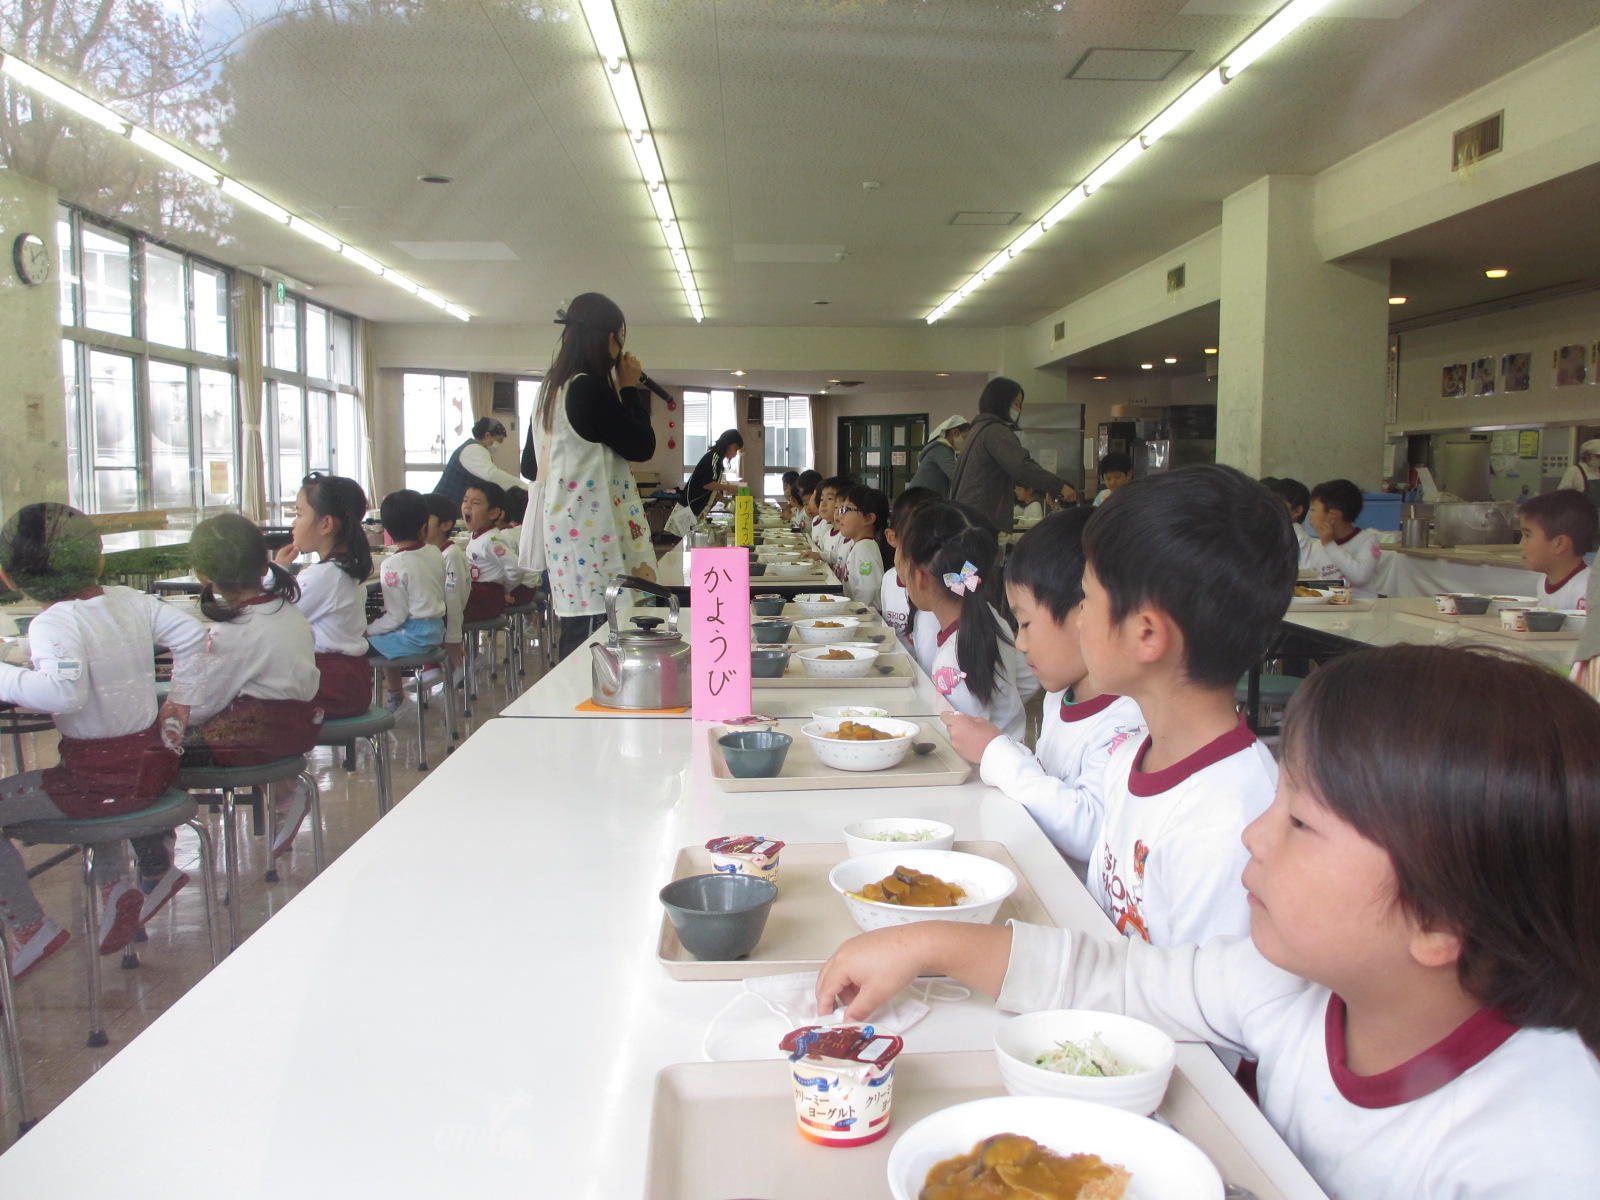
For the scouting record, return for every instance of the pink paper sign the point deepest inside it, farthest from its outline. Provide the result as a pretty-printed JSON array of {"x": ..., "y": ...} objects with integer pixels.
[{"x": 719, "y": 632}]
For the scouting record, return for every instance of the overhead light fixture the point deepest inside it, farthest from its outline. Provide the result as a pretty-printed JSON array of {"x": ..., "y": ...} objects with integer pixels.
[
  {"x": 1147, "y": 366},
  {"x": 1169, "y": 360},
  {"x": 1397, "y": 299},
  {"x": 64, "y": 94},
  {"x": 1209, "y": 350},
  {"x": 942, "y": 374},
  {"x": 612, "y": 48},
  {"x": 1496, "y": 273},
  {"x": 740, "y": 374},
  {"x": 1267, "y": 35},
  {"x": 1102, "y": 377}
]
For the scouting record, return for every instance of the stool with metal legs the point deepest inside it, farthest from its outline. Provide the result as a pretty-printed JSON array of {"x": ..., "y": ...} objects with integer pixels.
[
  {"x": 172, "y": 808},
  {"x": 258, "y": 779},
  {"x": 416, "y": 664},
  {"x": 518, "y": 615},
  {"x": 470, "y": 632},
  {"x": 12, "y": 1072},
  {"x": 371, "y": 726}
]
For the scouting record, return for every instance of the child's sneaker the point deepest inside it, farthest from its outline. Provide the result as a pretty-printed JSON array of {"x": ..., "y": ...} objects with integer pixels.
[
  {"x": 430, "y": 677},
  {"x": 120, "y": 903},
  {"x": 33, "y": 946},
  {"x": 158, "y": 891},
  {"x": 292, "y": 817},
  {"x": 393, "y": 700}
]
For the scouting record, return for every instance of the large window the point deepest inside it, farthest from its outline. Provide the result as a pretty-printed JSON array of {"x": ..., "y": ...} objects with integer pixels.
[
  {"x": 705, "y": 416},
  {"x": 788, "y": 438},
  {"x": 311, "y": 414},
  {"x": 438, "y": 418},
  {"x": 152, "y": 419}
]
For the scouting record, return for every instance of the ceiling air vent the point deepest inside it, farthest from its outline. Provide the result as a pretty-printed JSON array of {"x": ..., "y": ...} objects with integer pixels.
[
  {"x": 1110, "y": 64},
  {"x": 1060, "y": 331},
  {"x": 984, "y": 218},
  {"x": 1476, "y": 141},
  {"x": 1175, "y": 278}
]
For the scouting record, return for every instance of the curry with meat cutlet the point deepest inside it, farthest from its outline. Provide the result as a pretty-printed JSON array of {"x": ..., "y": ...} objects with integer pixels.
[{"x": 1009, "y": 1166}]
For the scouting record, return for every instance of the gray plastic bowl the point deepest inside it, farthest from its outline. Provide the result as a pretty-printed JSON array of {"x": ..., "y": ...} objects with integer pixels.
[
  {"x": 767, "y": 606},
  {"x": 772, "y": 632},
  {"x": 1545, "y": 622},
  {"x": 754, "y": 753},
  {"x": 769, "y": 664},
  {"x": 758, "y": 568},
  {"x": 719, "y": 917},
  {"x": 1472, "y": 606}
]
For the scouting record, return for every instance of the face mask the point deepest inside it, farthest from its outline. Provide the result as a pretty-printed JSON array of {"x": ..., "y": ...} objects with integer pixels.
[{"x": 1016, "y": 414}]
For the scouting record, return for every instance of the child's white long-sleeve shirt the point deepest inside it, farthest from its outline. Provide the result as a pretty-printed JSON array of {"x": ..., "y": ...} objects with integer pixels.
[
  {"x": 508, "y": 541},
  {"x": 486, "y": 559},
  {"x": 1572, "y": 592},
  {"x": 1167, "y": 863},
  {"x": 862, "y": 572},
  {"x": 457, "y": 587},
  {"x": 894, "y": 604},
  {"x": 335, "y": 605},
  {"x": 413, "y": 586},
  {"x": 267, "y": 652},
  {"x": 1355, "y": 560},
  {"x": 94, "y": 663},
  {"x": 938, "y": 653},
  {"x": 1489, "y": 1113},
  {"x": 1062, "y": 783}
]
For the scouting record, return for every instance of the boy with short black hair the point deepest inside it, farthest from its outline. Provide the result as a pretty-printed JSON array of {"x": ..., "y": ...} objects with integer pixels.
[
  {"x": 1343, "y": 550},
  {"x": 1060, "y": 783},
  {"x": 893, "y": 602},
  {"x": 412, "y": 579},
  {"x": 1116, "y": 470},
  {"x": 457, "y": 578},
  {"x": 482, "y": 506},
  {"x": 825, "y": 533},
  {"x": 1558, "y": 529},
  {"x": 1296, "y": 498}
]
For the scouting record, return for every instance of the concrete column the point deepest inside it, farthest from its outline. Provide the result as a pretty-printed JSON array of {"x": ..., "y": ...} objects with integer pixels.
[
  {"x": 1303, "y": 344},
  {"x": 33, "y": 455}
]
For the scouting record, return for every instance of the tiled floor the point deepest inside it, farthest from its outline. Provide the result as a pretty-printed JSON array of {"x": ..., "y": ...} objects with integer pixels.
[{"x": 52, "y": 1007}]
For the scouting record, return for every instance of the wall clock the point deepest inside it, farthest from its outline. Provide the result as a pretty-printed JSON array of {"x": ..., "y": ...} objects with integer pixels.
[{"x": 32, "y": 258}]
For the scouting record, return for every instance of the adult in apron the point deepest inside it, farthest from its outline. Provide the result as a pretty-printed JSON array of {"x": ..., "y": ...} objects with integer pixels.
[
  {"x": 1584, "y": 475},
  {"x": 585, "y": 523}
]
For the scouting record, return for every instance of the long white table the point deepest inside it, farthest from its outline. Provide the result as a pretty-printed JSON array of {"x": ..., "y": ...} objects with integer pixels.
[
  {"x": 1397, "y": 622},
  {"x": 1414, "y": 573}
]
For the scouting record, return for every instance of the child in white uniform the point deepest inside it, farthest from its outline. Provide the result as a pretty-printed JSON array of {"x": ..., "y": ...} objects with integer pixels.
[
  {"x": 1558, "y": 529},
  {"x": 960, "y": 640},
  {"x": 1061, "y": 782},
  {"x": 1420, "y": 998},
  {"x": 1296, "y": 498},
  {"x": 333, "y": 590},
  {"x": 1342, "y": 549},
  {"x": 481, "y": 509},
  {"x": 863, "y": 517},
  {"x": 893, "y": 602},
  {"x": 413, "y": 590},
  {"x": 94, "y": 668},
  {"x": 443, "y": 516}
]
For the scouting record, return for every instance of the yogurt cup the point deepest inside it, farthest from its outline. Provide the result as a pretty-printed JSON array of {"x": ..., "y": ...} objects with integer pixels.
[
  {"x": 1514, "y": 619},
  {"x": 1339, "y": 594},
  {"x": 843, "y": 1079},
  {"x": 746, "y": 854},
  {"x": 1445, "y": 602}
]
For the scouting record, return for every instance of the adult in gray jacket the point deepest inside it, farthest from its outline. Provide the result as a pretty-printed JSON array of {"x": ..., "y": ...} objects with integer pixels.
[
  {"x": 937, "y": 463},
  {"x": 993, "y": 461}
]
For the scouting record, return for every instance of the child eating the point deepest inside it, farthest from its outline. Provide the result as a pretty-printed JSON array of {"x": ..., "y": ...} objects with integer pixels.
[
  {"x": 1558, "y": 529},
  {"x": 1420, "y": 978},
  {"x": 1343, "y": 550},
  {"x": 1116, "y": 470},
  {"x": 1059, "y": 783}
]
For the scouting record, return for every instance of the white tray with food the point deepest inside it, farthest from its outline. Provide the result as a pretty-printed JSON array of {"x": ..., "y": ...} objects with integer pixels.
[
  {"x": 728, "y": 1129},
  {"x": 892, "y": 669},
  {"x": 917, "y": 755},
  {"x": 809, "y": 919}
]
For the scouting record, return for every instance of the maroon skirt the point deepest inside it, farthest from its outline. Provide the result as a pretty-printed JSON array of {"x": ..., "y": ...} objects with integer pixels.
[
  {"x": 522, "y": 594},
  {"x": 346, "y": 688},
  {"x": 486, "y": 602},
  {"x": 107, "y": 777},
  {"x": 250, "y": 732}
]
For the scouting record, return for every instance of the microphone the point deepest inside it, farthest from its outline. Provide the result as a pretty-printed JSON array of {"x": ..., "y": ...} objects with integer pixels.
[{"x": 646, "y": 381}]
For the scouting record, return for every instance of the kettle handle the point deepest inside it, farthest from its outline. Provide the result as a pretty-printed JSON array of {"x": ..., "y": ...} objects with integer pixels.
[{"x": 634, "y": 583}]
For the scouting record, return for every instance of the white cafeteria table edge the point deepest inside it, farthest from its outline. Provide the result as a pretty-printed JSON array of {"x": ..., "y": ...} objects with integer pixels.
[
  {"x": 435, "y": 1015},
  {"x": 1388, "y": 623},
  {"x": 558, "y": 694}
]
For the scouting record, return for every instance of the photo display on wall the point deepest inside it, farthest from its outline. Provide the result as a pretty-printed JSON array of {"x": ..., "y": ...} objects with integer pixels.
[
  {"x": 1453, "y": 381},
  {"x": 1514, "y": 372},
  {"x": 1572, "y": 365},
  {"x": 1483, "y": 377}
]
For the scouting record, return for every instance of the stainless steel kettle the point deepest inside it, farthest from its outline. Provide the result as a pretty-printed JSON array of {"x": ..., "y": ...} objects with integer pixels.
[{"x": 641, "y": 666}]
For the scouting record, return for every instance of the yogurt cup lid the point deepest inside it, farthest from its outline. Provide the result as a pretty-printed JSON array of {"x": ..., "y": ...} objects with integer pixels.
[
  {"x": 842, "y": 1043},
  {"x": 745, "y": 844}
]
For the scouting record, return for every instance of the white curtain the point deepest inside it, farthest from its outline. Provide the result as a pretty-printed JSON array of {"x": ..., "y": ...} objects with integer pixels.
[
  {"x": 252, "y": 446},
  {"x": 480, "y": 390},
  {"x": 367, "y": 381}
]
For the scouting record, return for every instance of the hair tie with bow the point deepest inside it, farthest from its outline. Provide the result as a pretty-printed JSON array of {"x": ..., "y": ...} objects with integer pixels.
[{"x": 965, "y": 580}]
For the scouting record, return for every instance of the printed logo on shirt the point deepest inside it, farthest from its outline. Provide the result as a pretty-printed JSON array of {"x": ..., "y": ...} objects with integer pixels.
[
  {"x": 67, "y": 668},
  {"x": 1126, "y": 910},
  {"x": 500, "y": 551},
  {"x": 473, "y": 571},
  {"x": 391, "y": 578},
  {"x": 866, "y": 568}
]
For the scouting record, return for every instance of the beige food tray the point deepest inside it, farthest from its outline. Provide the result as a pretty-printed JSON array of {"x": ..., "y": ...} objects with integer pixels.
[
  {"x": 791, "y": 612},
  {"x": 804, "y": 771},
  {"x": 1488, "y": 623},
  {"x": 809, "y": 919},
  {"x": 900, "y": 673},
  {"x": 727, "y": 1129}
]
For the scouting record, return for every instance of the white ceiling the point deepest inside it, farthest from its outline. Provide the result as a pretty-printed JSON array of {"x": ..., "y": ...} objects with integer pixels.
[{"x": 769, "y": 114}]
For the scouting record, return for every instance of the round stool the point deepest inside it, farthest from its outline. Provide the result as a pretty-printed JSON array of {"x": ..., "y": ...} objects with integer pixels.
[
  {"x": 518, "y": 615},
  {"x": 470, "y": 632},
  {"x": 371, "y": 725},
  {"x": 257, "y": 779},
  {"x": 416, "y": 664},
  {"x": 172, "y": 808}
]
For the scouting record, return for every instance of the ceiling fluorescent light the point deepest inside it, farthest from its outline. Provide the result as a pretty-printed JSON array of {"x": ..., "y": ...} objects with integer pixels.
[
  {"x": 165, "y": 150},
  {"x": 432, "y": 298},
  {"x": 1063, "y": 206},
  {"x": 1028, "y": 237},
  {"x": 233, "y": 188},
  {"x": 993, "y": 266},
  {"x": 606, "y": 32},
  {"x": 1112, "y": 167},
  {"x": 459, "y": 313},
  {"x": 1180, "y": 109},
  {"x": 361, "y": 260},
  {"x": 400, "y": 281},
  {"x": 320, "y": 236},
  {"x": 1284, "y": 22},
  {"x": 63, "y": 94}
]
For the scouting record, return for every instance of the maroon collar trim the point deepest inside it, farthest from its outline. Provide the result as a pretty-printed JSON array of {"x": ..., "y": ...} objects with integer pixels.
[
  {"x": 1551, "y": 590},
  {"x": 1351, "y": 538},
  {"x": 1463, "y": 1048},
  {"x": 403, "y": 547},
  {"x": 1089, "y": 708},
  {"x": 1153, "y": 783},
  {"x": 948, "y": 632},
  {"x": 264, "y": 598}
]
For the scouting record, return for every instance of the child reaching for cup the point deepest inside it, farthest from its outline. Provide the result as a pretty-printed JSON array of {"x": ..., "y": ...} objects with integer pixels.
[{"x": 1420, "y": 978}]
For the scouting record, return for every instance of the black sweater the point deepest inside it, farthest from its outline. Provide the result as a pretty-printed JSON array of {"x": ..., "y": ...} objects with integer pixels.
[{"x": 595, "y": 416}]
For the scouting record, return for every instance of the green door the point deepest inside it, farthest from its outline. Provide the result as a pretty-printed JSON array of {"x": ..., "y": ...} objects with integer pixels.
[{"x": 882, "y": 451}]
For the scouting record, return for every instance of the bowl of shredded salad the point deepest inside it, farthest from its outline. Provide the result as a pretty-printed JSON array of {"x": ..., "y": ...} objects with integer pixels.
[
  {"x": 896, "y": 833},
  {"x": 1083, "y": 1054}
]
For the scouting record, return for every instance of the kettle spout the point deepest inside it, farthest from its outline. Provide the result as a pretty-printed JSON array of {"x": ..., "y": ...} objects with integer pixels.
[{"x": 606, "y": 667}]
